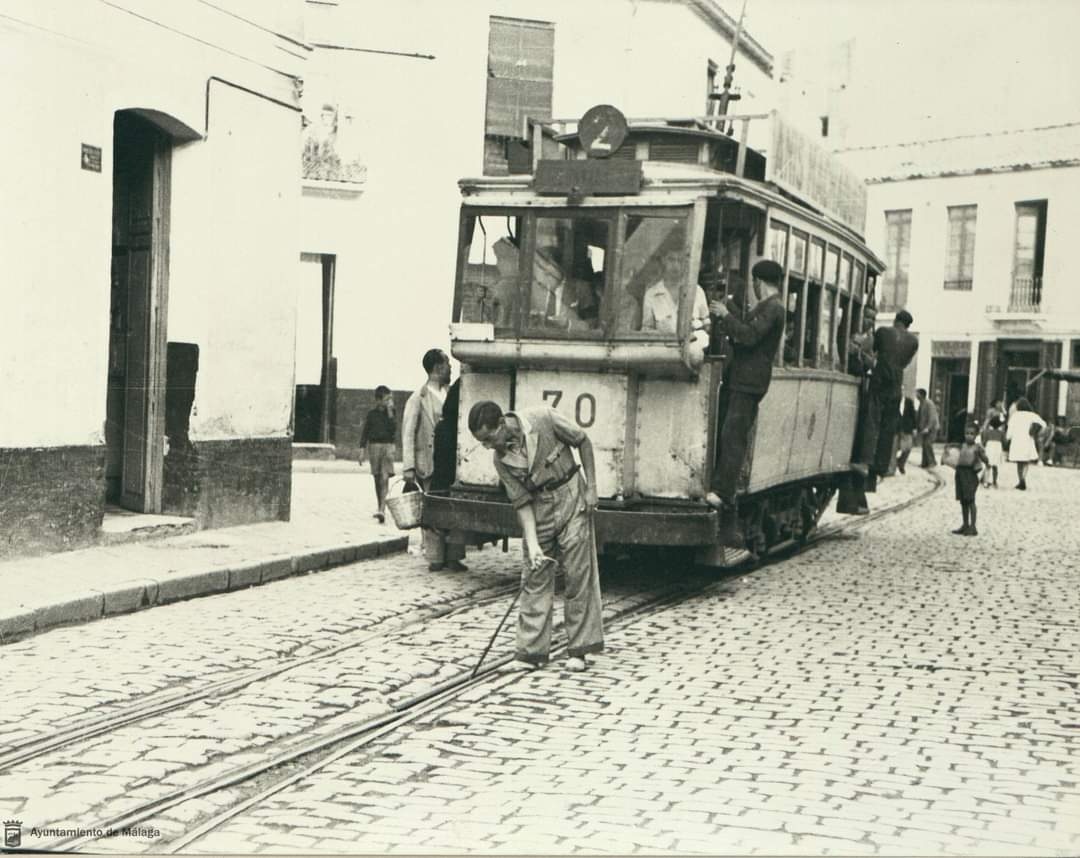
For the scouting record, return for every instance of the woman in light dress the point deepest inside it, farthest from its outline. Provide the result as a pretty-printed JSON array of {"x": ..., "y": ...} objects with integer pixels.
[{"x": 1022, "y": 446}]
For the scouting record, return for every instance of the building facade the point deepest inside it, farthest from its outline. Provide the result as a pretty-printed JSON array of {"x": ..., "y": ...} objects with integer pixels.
[
  {"x": 977, "y": 235},
  {"x": 380, "y": 214},
  {"x": 149, "y": 233}
]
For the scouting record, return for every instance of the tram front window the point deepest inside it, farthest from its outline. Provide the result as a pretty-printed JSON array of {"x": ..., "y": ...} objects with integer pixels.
[
  {"x": 566, "y": 287},
  {"x": 654, "y": 274},
  {"x": 489, "y": 284}
]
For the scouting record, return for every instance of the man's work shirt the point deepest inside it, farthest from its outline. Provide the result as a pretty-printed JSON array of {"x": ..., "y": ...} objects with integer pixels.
[
  {"x": 538, "y": 455},
  {"x": 660, "y": 312}
]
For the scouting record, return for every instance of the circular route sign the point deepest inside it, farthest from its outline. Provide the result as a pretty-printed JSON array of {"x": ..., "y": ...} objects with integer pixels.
[{"x": 602, "y": 130}]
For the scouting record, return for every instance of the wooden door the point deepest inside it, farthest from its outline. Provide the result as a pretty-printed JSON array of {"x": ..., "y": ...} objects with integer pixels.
[{"x": 140, "y": 222}]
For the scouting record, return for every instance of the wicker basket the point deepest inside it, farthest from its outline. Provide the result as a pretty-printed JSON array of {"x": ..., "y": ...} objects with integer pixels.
[{"x": 405, "y": 507}]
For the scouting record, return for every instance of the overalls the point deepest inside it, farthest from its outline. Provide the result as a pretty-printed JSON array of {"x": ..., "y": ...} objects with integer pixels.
[{"x": 556, "y": 490}]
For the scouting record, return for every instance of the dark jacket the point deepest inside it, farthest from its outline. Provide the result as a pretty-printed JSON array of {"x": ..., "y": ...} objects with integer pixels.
[
  {"x": 755, "y": 343},
  {"x": 379, "y": 428},
  {"x": 894, "y": 348},
  {"x": 444, "y": 450},
  {"x": 908, "y": 417}
]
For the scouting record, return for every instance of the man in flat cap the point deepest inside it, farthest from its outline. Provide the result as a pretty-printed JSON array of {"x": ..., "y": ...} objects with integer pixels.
[
  {"x": 755, "y": 341},
  {"x": 894, "y": 347}
]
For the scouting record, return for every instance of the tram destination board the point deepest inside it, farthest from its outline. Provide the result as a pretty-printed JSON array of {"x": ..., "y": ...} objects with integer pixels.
[{"x": 588, "y": 178}]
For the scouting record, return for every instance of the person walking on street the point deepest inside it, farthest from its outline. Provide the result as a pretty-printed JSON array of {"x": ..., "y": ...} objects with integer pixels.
[
  {"x": 377, "y": 438},
  {"x": 906, "y": 433},
  {"x": 1024, "y": 427},
  {"x": 554, "y": 503},
  {"x": 993, "y": 436},
  {"x": 422, "y": 413},
  {"x": 893, "y": 348},
  {"x": 755, "y": 341},
  {"x": 927, "y": 425},
  {"x": 970, "y": 460}
]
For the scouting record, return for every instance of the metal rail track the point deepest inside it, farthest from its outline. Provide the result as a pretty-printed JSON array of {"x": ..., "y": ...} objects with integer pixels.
[
  {"x": 167, "y": 702},
  {"x": 343, "y": 742}
]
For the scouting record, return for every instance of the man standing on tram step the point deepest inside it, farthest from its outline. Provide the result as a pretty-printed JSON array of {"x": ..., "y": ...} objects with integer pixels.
[
  {"x": 755, "y": 341},
  {"x": 894, "y": 347},
  {"x": 422, "y": 413},
  {"x": 554, "y": 505}
]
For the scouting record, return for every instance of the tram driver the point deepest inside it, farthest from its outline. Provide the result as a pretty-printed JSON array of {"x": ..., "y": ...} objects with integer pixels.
[{"x": 559, "y": 301}]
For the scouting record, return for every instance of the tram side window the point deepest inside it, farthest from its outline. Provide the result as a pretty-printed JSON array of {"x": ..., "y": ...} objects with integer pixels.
[
  {"x": 868, "y": 313},
  {"x": 654, "y": 273},
  {"x": 566, "y": 289},
  {"x": 832, "y": 281},
  {"x": 489, "y": 279},
  {"x": 816, "y": 275}
]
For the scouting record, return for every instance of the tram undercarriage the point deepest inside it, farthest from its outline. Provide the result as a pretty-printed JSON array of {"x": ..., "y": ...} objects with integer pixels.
[{"x": 770, "y": 520}]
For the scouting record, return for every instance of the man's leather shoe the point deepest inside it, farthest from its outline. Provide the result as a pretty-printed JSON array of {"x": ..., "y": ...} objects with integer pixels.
[
  {"x": 457, "y": 566},
  {"x": 861, "y": 469},
  {"x": 435, "y": 567}
]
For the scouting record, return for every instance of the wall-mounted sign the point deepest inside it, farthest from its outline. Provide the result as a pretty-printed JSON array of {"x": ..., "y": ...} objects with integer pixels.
[{"x": 91, "y": 157}]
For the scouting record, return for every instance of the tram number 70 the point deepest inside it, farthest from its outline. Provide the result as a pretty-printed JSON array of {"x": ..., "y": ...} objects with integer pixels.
[{"x": 584, "y": 406}]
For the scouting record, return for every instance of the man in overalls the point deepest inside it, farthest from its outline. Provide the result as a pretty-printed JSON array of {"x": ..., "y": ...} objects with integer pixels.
[{"x": 554, "y": 505}]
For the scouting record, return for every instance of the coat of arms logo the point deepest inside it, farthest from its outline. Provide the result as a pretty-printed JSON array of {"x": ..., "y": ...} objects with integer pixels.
[{"x": 12, "y": 833}]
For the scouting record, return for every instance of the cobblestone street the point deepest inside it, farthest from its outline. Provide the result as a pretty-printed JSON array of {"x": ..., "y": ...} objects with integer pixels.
[
  {"x": 896, "y": 689},
  {"x": 905, "y": 691}
]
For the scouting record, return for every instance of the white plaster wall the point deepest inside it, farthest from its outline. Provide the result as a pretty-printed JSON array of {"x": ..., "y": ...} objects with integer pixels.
[
  {"x": 421, "y": 123},
  {"x": 942, "y": 314},
  {"x": 233, "y": 241},
  {"x": 233, "y": 280},
  {"x": 54, "y": 245}
]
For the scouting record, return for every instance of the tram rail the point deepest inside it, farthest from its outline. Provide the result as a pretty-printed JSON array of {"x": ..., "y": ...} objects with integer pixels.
[
  {"x": 340, "y": 743},
  {"x": 166, "y": 702}
]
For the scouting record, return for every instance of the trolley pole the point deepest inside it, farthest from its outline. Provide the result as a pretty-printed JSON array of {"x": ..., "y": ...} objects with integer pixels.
[{"x": 726, "y": 96}]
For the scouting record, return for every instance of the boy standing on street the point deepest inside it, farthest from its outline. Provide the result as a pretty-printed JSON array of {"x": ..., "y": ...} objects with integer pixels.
[{"x": 378, "y": 438}]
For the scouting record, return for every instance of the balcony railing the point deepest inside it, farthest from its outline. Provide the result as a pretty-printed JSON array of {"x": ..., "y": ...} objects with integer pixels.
[{"x": 1026, "y": 295}]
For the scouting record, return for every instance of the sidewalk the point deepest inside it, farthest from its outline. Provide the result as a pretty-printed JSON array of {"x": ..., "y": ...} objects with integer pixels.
[{"x": 331, "y": 525}]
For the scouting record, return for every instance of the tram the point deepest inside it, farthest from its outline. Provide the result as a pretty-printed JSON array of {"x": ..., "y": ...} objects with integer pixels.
[{"x": 551, "y": 307}]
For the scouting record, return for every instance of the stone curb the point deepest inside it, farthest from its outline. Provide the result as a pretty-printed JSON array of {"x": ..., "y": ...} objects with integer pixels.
[{"x": 138, "y": 593}]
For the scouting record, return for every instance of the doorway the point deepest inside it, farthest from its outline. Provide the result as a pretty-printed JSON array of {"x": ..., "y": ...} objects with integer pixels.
[
  {"x": 949, "y": 382},
  {"x": 1021, "y": 366},
  {"x": 135, "y": 407},
  {"x": 316, "y": 367}
]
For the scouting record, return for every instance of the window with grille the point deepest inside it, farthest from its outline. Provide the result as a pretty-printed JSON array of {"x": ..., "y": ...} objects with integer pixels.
[
  {"x": 520, "y": 65},
  {"x": 894, "y": 289},
  {"x": 1028, "y": 251},
  {"x": 960, "y": 252}
]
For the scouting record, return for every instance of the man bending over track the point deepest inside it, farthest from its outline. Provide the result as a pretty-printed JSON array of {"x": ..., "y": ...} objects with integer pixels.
[{"x": 555, "y": 508}]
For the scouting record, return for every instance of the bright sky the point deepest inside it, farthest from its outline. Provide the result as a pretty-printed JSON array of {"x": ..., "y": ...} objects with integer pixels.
[{"x": 933, "y": 68}]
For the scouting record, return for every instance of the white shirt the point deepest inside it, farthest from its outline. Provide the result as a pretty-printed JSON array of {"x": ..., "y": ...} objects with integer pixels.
[
  {"x": 440, "y": 396},
  {"x": 659, "y": 312}
]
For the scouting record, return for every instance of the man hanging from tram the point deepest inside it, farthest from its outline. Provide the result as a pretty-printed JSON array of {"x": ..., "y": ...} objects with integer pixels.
[{"x": 755, "y": 342}]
